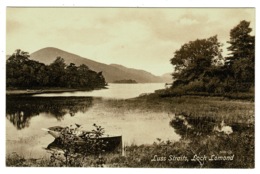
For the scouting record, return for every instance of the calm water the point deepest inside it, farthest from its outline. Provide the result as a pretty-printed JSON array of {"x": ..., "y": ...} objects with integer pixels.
[
  {"x": 27, "y": 115},
  {"x": 117, "y": 91}
]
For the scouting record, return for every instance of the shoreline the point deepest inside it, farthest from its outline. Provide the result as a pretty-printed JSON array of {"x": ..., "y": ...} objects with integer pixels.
[{"x": 44, "y": 91}]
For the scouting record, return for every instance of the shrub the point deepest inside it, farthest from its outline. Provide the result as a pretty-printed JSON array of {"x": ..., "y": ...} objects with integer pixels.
[{"x": 79, "y": 149}]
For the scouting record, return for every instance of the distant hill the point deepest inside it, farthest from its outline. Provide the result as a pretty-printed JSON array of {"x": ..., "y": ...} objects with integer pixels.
[
  {"x": 111, "y": 72},
  {"x": 138, "y": 75},
  {"x": 167, "y": 77}
]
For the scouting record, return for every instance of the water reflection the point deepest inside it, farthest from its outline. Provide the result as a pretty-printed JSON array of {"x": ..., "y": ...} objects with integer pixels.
[
  {"x": 19, "y": 110},
  {"x": 190, "y": 127}
]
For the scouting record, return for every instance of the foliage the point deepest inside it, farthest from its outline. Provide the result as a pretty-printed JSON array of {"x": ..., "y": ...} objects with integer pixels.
[
  {"x": 242, "y": 44},
  {"x": 23, "y": 73},
  {"x": 241, "y": 62},
  {"x": 77, "y": 148},
  {"x": 125, "y": 81},
  {"x": 193, "y": 58},
  {"x": 199, "y": 66}
]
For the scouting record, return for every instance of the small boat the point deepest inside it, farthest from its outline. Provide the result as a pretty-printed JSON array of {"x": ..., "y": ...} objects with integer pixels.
[
  {"x": 110, "y": 144},
  {"x": 56, "y": 131}
]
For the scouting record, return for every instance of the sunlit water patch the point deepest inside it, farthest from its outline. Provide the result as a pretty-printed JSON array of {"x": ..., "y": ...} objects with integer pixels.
[{"x": 117, "y": 91}]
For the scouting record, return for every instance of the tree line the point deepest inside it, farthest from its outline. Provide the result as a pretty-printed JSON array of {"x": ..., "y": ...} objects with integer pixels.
[
  {"x": 199, "y": 66},
  {"x": 23, "y": 73}
]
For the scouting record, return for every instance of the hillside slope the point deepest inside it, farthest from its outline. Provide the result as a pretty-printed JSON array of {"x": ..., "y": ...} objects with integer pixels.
[{"x": 111, "y": 72}]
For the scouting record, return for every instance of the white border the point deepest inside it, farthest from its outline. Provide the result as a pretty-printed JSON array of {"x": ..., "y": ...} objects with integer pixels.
[
  {"x": 133, "y": 3},
  {"x": 111, "y": 3}
]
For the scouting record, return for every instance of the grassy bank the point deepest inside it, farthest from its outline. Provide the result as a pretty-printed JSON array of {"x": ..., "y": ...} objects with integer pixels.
[
  {"x": 180, "y": 154},
  {"x": 183, "y": 154},
  {"x": 239, "y": 111},
  {"x": 202, "y": 112}
]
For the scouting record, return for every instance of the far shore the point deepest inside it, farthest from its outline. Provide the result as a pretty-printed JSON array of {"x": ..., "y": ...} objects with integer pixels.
[{"x": 42, "y": 91}]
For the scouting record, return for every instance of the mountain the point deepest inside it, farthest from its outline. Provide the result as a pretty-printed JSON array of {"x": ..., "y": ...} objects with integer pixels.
[
  {"x": 167, "y": 77},
  {"x": 111, "y": 72},
  {"x": 138, "y": 75}
]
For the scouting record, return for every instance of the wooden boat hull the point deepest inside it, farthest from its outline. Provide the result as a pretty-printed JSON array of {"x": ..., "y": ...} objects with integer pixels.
[{"x": 111, "y": 145}]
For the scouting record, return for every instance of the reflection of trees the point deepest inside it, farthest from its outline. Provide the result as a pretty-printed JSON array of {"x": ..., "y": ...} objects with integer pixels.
[
  {"x": 189, "y": 127},
  {"x": 19, "y": 120},
  {"x": 19, "y": 110}
]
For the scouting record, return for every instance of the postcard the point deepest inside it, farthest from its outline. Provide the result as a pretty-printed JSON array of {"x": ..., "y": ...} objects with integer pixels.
[{"x": 130, "y": 87}]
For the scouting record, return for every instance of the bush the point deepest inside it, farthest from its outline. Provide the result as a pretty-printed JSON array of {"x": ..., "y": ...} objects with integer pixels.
[{"x": 79, "y": 150}]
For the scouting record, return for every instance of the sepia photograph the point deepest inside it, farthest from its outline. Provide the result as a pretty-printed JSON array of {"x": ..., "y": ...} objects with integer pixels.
[{"x": 129, "y": 87}]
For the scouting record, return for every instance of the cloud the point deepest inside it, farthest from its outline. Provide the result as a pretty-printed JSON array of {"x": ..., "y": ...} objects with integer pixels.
[
  {"x": 12, "y": 26},
  {"x": 135, "y": 37}
]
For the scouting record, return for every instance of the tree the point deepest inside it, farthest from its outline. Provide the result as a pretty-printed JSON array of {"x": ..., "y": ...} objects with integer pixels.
[
  {"x": 57, "y": 72},
  {"x": 19, "y": 52},
  {"x": 241, "y": 61},
  {"x": 83, "y": 75},
  {"x": 193, "y": 58},
  {"x": 23, "y": 73},
  {"x": 242, "y": 44},
  {"x": 72, "y": 75}
]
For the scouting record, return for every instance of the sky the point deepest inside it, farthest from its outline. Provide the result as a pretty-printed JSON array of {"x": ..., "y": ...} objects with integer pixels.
[{"x": 141, "y": 38}]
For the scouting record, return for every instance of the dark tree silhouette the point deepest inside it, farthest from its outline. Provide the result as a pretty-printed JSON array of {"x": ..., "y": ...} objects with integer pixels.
[
  {"x": 241, "y": 62},
  {"x": 23, "y": 73}
]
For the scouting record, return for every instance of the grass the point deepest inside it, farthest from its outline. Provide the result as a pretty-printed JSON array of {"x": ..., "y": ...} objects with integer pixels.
[
  {"x": 238, "y": 111},
  {"x": 233, "y": 112},
  {"x": 16, "y": 160},
  {"x": 239, "y": 145}
]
